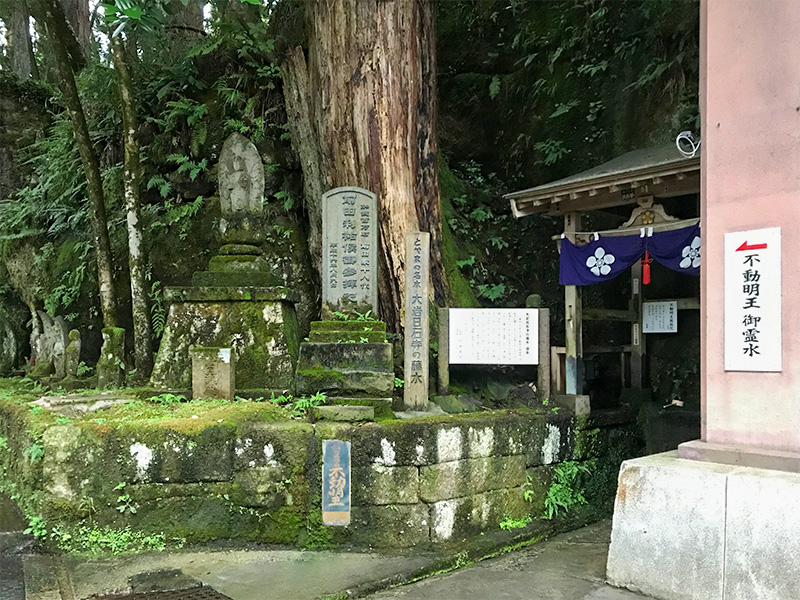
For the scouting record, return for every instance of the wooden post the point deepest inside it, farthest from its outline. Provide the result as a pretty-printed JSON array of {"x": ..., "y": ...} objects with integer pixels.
[
  {"x": 443, "y": 359},
  {"x": 544, "y": 353},
  {"x": 572, "y": 319},
  {"x": 637, "y": 336}
]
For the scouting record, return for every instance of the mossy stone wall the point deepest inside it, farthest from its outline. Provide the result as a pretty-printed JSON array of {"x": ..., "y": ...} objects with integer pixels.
[{"x": 424, "y": 481}]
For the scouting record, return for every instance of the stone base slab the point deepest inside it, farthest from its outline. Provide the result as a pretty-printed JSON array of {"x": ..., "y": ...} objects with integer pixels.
[
  {"x": 577, "y": 404},
  {"x": 740, "y": 456},
  {"x": 691, "y": 530}
]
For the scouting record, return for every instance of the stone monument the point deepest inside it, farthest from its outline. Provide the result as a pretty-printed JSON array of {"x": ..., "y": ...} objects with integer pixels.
[
  {"x": 417, "y": 335},
  {"x": 348, "y": 359},
  {"x": 240, "y": 302},
  {"x": 350, "y": 250},
  {"x": 111, "y": 364},
  {"x": 72, "y": 355},
  {"x": 213, "y": 373}
]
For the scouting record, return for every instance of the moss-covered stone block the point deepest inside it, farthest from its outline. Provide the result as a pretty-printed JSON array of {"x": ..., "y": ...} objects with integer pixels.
[
  {"x": 149, "y": 453},
  {"x": 272, "y": 444},
  {"x": 537, "y": 483},
  {"x": 589, "y": 443},
  {"x": 193, "y": 518},
  {"x": 237, "y": 262},
  {"x": 392, "y": 485},
  {"x": 344, "y": 357},
  {"x": 260, "y": 487},
  {"x": 464, "y": 477},
  {"x": 347, "y": 337},
  {"x": 236, "y": 279},
  {"x": 456, "y": 404},
  {"x": 263, "y": 332},
  {"x": 343, "y": 412},
  {"x": 470, "y": 515},
  {"x": 71, "y": 462},
  {"x": 345, "y": 369},
  {"x": 398, "y": 526},
  {"x": 111, "y": 364},
  {"x": 240, "y": 249},
  {"x": 352, "y": 326},
  {"x": 149, "y": 492},
  {"x": 551, "y": 442}
]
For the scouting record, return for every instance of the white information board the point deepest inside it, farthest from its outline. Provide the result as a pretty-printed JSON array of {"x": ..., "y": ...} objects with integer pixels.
[
  {"x": 660, "y": 317},
  {"x": 494, "y": 336},
  {"x": 753, "y": 300}
]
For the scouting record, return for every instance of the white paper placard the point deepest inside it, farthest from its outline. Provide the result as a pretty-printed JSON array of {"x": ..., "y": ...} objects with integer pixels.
[
  {"x": 753, "y": 340},
  {"x": 660, "y": 317},
  {"x": 494, "y": 336}
]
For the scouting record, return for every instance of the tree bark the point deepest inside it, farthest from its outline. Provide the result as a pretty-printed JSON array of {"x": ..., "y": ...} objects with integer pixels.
[
  {"x": 47, "y": 12},
  {"x": 137, "y": 262},
  {"x": 22, "y": 60},
  {"x": 79, "y": 21},
  {"x": 370, "y": 85}
]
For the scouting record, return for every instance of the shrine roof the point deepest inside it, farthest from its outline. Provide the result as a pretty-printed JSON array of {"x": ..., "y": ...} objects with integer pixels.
[{"x": 660, "y": 171}]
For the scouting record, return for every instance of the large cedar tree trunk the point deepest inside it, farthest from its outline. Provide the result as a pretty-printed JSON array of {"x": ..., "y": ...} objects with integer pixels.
[
  {"x": 49, "y": 12},
  {"x": 137, "y": 262},
  {"x": 19, "y": 37},
  {"x": 362, "y": 111}
]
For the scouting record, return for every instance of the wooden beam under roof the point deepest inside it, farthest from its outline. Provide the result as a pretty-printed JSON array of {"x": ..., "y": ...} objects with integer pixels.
[{"x": 660, "y": 172}]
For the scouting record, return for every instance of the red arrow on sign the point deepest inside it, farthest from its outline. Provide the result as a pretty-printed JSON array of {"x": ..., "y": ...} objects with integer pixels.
[{"x": 746, "y": 246}]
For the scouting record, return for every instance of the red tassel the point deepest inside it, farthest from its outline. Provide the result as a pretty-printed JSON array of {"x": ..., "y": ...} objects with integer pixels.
[{"x": 646, "y": 268}]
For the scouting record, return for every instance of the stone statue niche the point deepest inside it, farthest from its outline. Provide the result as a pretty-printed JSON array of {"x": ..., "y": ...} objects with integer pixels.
[{"x": 240, "y": 302}]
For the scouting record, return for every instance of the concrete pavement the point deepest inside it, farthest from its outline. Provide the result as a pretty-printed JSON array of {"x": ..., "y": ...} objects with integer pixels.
[{"x": 570, "y": 566}]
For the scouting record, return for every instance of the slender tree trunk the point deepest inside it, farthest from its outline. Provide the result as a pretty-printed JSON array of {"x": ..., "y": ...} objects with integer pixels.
[
  {"x": 22, "y": 60},
  {"x": 94, "y": 186},
  {"x": 78, "y": 18},
  {"x": 137, "y": 262},
  {"x": 370, "y": 85}
]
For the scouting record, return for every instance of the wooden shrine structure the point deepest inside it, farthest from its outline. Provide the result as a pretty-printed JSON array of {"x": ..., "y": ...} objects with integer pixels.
[{"x": 639, "y": 179}]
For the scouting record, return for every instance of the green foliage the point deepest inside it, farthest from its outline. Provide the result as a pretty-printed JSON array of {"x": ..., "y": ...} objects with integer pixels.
[
  {"x": 158, "y": 314},
  {"x": 97, "y": 541},
  {"x": 565, "y": 492},
  {"x": 37, "y": 527},
  {"x": 124, "y": 502},
  {"x": 166, "y": 399},
  {"x": 508, "y": 523},
  {"x": 84, "y": 369},
  {"x": 398, "y": 383},
  {"x": 299, "y": 407},
  {"x": 3, "y": 443},
  {"x": 34, "y": 452}
]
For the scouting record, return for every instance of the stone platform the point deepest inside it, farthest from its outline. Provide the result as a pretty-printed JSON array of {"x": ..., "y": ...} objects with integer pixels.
[
  {"x": 259, "y": 323},
  {"x": 690, "y": 530}
]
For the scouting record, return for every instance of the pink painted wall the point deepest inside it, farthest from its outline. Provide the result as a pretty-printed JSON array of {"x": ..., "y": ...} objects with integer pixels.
[{"x": 750, "y": 104}]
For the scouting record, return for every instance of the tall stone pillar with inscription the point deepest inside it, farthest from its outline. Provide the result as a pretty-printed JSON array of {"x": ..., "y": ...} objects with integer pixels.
[
  {"x": 347, "y": 355},
  {"x": 349, "y": 251},
  {"x": 415, "y": 389}
]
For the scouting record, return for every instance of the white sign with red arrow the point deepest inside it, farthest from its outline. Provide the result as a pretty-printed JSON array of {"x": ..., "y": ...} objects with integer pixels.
[{"x": 753, "y": 300}]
